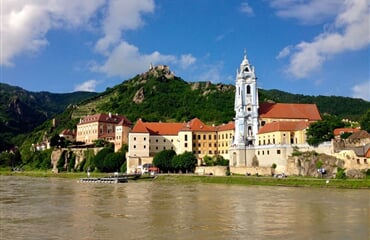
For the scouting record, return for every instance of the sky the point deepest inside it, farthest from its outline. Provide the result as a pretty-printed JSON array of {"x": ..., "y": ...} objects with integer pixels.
[{"x": 310, "y": 47}]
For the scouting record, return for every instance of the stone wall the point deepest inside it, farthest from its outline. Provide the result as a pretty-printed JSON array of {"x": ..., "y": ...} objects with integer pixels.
[{"x": 211, "y": 170}]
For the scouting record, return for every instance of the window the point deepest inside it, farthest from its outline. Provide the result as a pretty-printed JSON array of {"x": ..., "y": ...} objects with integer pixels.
[
  {"x": 198, "y": 137},
  {"x": 278, "y": 151},
  {"x": 248, "y": 89},
  {"x": 204, "y": 137},
  {"x": 186, "y": 145},
  {"x": 134, "y": 146},
  {"x": 134, "y": 138},
  {"x": 210, "y": 137},
  {"x": 186, "y": 137},
  {"x": 210, "y": 152},
  {"x": 156, "y": 140},
  {"x": 144, "y": 138},
  {"x": 144, "y": 146}
]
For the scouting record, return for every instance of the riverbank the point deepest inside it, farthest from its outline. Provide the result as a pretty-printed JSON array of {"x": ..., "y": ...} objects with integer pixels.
[
  {"x": 237, "y": 180},
  {"x": 71, "y": 175},
  {"x": 268, "y": 181}
]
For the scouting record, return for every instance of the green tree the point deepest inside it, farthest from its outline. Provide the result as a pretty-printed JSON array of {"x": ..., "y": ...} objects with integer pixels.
[
  {"x": 208, "y": 160},
  {"x": 99, "y": 159},
  {"x": 365, "y": 121},
  {"x": 184, "y": 162},
  {"x": 221, "y": 161},
  {"x": 163, "y": 160},
  {"x": 322, "y": 131}
]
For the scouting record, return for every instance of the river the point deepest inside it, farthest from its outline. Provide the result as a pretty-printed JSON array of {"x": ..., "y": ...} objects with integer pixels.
[{"x": 55, "y": 208}]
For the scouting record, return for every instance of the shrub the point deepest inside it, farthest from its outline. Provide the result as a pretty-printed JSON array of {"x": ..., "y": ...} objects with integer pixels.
[{"x": 341, "y": 174}]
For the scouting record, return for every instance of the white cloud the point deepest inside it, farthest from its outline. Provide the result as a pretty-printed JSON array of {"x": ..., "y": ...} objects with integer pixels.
[
  {"x": 285, "y": 52},
  {"x": 88, "y": 86},
  {"x": 26, "y": 22},
  {"x": 245, "y": 8},
  {"x": 348, "y": 33},
  {"x": 121, "y": 16},
  {"x": 307, "y": 12},
  {"x": 362, "y": 90},
  {"x": 186, "y": 60},
  {"x": 126, "y": 60}
]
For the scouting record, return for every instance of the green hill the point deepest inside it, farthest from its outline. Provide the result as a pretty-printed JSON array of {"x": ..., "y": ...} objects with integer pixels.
[
  {"x": 21, "y": 110},
  {"x": 156, "y": 95}
]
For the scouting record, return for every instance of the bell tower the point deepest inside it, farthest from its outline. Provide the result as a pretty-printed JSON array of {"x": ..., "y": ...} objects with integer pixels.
[{"x": 246, "y": 105}]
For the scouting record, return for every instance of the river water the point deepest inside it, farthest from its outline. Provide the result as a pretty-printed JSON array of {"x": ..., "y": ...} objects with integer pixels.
[{"x": 53, "y": 208}]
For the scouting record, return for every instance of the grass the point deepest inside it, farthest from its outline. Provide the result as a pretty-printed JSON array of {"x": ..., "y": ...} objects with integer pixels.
[
  {"x": 268, "y": 181},
  {"x": 236, "y": 180}
]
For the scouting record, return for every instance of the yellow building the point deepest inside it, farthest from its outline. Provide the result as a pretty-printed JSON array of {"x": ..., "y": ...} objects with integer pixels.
[
  {"x": 104, "y": 126},
  {"x": 148, "y": 138},
  {"x": 285, "y": 123}
]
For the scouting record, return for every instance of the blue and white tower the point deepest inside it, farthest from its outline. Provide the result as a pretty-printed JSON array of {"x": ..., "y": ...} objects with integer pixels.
[{"x": 246, "y": 106}]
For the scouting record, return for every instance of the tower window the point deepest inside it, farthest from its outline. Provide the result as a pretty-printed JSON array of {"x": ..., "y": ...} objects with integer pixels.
[{"x": 248, "y": 89}]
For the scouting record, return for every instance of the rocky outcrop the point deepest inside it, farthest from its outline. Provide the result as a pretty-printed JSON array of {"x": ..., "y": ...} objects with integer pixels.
[
  {"x": 306, "y": 164},
  {"x": 139, "y": 96}
]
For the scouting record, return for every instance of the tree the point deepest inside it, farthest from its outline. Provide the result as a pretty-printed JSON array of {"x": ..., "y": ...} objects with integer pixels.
[
  {"x": 185, "y": 162},
  {"x": 98, "y": 160},
  {"x": 365, "y": 121},
  {"x": 322, "y": 131},
  {"x": 163, "y": 160},
  {"x": 208, "y": 160}
]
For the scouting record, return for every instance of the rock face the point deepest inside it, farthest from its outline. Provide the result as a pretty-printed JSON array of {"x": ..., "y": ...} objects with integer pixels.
[
  {"x": 306, "y": 164},
  {"x": 139, "y": 96}
]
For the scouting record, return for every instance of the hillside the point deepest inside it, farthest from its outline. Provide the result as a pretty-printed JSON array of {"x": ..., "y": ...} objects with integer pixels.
[
  {"x": 21, "y": 110},
  {"x": 156, "y": 95}
]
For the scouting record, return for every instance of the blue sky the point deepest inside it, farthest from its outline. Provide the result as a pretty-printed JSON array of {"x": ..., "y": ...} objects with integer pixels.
[{"x": 308, "y": 47}]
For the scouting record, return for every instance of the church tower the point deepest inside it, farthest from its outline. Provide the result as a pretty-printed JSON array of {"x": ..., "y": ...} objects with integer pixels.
[{"x": 246, "y": 106}]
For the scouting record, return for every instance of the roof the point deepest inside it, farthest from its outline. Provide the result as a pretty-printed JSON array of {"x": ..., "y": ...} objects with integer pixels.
[
  {"x": 359, "y": 135},
  {"x": 197, "y": 125},
  {"x": 339, "y": 131},
  {"x": 157, "y": 128},
  {"x": 108, "y": 118},
  {"x": 289, "y": 111},
  {"x": 67, "y": 132},
  {"x": 164, "y": 128},
  {"x": 282, "y": 126},
  {"x": 226, "y": 126}
]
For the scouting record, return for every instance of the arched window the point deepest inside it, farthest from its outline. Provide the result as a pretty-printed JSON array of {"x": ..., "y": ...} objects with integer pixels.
[{"x": 248, "y": 89}]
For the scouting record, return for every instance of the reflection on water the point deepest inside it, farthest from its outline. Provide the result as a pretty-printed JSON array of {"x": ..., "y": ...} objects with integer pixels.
[{"x": 51, "y": 208}]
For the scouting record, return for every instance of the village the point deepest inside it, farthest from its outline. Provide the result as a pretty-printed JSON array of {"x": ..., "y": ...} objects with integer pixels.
[{"x": 260, "y": 137}]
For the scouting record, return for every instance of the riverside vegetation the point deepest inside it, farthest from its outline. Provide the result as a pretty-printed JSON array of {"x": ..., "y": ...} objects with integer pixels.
[{"x": 140, "y": 97}]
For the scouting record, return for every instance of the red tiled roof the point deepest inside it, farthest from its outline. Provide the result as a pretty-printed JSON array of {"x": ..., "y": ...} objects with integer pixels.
[
  {"x": 225, "y": 127},
  {"x": 197, "y": 125},
  {"x": 108, "y": 118},
  {"x": 289, "y": 111},
  {"x": 339, "y": 131},
  {"x": 283, "y": 126},
  {"x": 157, "y": 128},
  {"x": 67, "y": 132},
  {"x": 362, "y": 134}
]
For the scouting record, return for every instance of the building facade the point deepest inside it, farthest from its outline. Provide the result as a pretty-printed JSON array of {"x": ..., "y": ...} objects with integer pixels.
[
  {"x": 108, "y": 127},
  {"x": 148, "y": 138}
]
